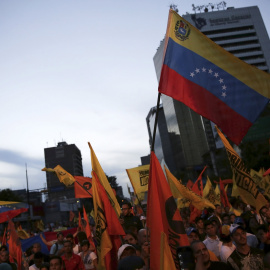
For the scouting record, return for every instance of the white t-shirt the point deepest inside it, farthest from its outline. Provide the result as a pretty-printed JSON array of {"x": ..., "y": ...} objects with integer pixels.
[
  {"x": 225, "y": 252},
  {"x": 76, "y": 249},
  {"x": 88, "y": 259},
  {"x": 33, "y": 267}
]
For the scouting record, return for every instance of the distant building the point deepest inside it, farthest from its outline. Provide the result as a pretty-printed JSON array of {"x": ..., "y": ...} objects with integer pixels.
[
  {"x": 61, "y": 198},
  {"x": 193, "y": 138}
]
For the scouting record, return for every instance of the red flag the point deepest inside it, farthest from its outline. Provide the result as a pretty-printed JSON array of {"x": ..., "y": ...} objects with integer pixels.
[
  {"x": 5, "y": 216},
  {"x": 194, "y": 212},
  {"x": 15, "y": 250},
  {"x": 114, "y": 228},
  {"x": 189, "y": 184},
  {"x": 198, "y": 185},
  {"x": 225, "y": 181},
  {"x": 223, "y": 196},
  {"x": 267, "y": 172},
  {"x": 80, "y": 222},
  {"x": 4, "y": 239},
  {"x": 83, "y": 187},
  {"x": 71, "y": 215},
  {"x": 88, "y": 229},
  {"x": 164, "y": 221}
]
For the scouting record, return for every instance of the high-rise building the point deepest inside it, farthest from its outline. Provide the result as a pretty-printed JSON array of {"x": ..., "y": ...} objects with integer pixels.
[
  {"x": 68, "y": 156},
  {"x": 242, "y": 32}
]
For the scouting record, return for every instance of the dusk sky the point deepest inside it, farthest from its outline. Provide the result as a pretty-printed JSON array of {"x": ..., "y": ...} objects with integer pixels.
[{"x": 80, "y": 71}]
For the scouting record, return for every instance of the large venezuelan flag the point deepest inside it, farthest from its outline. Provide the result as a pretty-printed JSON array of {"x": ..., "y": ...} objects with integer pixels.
[{"x": 210, "y": 80}]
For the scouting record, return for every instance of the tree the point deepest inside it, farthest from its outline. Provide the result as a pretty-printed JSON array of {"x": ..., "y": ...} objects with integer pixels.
[
  {"x": 9, "y": 195},
  {"x": 112, "y": 181}
]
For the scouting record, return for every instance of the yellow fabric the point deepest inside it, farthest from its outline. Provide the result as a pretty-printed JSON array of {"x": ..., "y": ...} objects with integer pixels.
[
  {"x": 7, "y": 202},
  {"x": 166, "y": 259},
  {"x": 139, "y": 177},
  {"x": 243, "y": 185},
  {"x": 63, "y": 176},
  {"x": 102, "y": 235},
  {"x": 180, "y": 191},
  {"x": 207, "y": 187},
  {"x": 22, "y": 234},
  {"x": 217, "y": 192},
  {"x": 96, "y": 167},
  {"x": 213, "y": 256}
]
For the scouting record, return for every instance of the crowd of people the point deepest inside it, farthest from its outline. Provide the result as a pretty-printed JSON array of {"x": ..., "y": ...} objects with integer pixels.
[{"x": 218, "y": 238}]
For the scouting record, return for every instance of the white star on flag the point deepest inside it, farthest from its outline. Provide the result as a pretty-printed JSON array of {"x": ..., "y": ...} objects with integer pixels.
[
  {"x": 197, "y": 70},
  {"x": 210, "y": 71},
  {"x": 216, "y": 75},
  {"x": 203, "y": 69},
  {"x": 224, "y": 87},
  {"x": 221, "y": 80},
  {"x": 224, "y": 94},
  {"x": 192, "y": 74}
]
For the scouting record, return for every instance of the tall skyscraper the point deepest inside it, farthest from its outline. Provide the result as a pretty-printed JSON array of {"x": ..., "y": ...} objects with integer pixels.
[
  {"x": 242, "y": 32},
  {"x": 69, "y": 157}
]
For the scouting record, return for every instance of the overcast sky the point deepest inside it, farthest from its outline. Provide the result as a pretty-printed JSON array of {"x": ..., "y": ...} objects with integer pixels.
[{"x": 80, "y": 71}]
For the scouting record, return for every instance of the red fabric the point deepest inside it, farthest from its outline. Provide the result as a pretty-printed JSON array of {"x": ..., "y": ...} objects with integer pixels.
[
  {"x": 74, "y": 263},
  {"x": 194, "y": 212},
  {"x": 115, "y": 229},
  {"x": 196, "y": 97},
  {"x": 5, "y": 216},
  {"x": 71, "y": 215},
  {"x": 225, "y": 181},
  {"x": 223, "y": 196},
  {"x": 83, "y": 187},
  {"x": 88, "y": 229},
  {"x": 4, "y": 239},
  {"x": 50, "y": 236},
  {"x": 267, "y": 172},
  {"x": 198, "y": 185},
  {"x": 80, "y": 222},
  {"x": 14, "y": 243},
  {"x": 163, "y": 216}
]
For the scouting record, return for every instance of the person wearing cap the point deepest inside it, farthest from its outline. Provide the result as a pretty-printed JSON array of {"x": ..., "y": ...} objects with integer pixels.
[
  {"x": 125, "y": 250},
  {"x": 227, "y": 245},
  {"x": 244, "y": 257},
  {"x": 212, "y": 241},
  {"x": 58, "y": 247},
  {"x": 193, "y": 236},
  {"x": 202, "y": 258},
  {"x": 252, "y": 240}
]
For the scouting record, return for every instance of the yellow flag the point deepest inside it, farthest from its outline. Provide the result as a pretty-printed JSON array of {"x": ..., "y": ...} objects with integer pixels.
[
  {"x": 63, "y": 176},
  {"x": 217, "y": 192},
  {"x": 243, "y": 185},
  {"x": 139, "y": 177},
  {"x": 180, "y": 191},
  {"x": 166, "y": 259},
  {"x": 104, "y": 244},
  {"x": 207, "y": 187},
  {"x": 104, "y": 181}
]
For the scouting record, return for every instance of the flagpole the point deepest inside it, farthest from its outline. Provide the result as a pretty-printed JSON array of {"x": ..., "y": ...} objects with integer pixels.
[
  {"x": 155, "y": 125},
  {"x": 27, "y": 197}
]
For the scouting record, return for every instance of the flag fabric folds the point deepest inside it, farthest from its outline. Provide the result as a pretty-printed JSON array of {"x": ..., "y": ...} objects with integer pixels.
[
  {"x": 96, "y": 167},
  {"x": 223, "y": 195},
  {"x": 14, "y": 244},
  {"x": 180, "y": 191},
  {"x": 5, "y": 216},
  {"x": 164, "y": 221},
  {"x": 83, "y": 187},
  {"x": 64, "y": 177},
  {"x": 210, "y": 80},
  {"x": 108, "y": 227},
  {"x": 139, "y": 177},
  {"x": 198, "y": 185},
  {"x": 243, "y": 184},
  {"x": 88, "y": 229}
]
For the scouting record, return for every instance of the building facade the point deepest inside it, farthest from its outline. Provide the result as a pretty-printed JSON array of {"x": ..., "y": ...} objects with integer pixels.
[
  {"x": 68, "y": 156},
  {"x": 194, "y": 140}
]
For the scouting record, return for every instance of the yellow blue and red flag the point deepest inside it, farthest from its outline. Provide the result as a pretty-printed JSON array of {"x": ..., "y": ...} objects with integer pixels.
[{"x": 210, "y": 80}]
